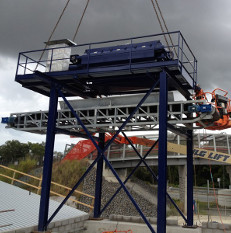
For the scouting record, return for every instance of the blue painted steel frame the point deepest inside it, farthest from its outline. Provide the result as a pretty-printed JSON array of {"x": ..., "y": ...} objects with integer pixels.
[
  {"x": 105, "y": 159},
  {"x": 132, "y": 172},
  {"x": 161, "y": 222},
  {"x": 190, "y": 178},
  {"x": 99, "y": 174},
  {"x": 162, "y": 154},
  {"x": 151, "y": 171},
  {"x": 181, "y": 60},
  {"x": 48, "y": 159}
]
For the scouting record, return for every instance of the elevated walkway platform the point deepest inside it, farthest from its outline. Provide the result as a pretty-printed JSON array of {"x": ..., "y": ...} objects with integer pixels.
[
  {"x": 117, "y": 67},
  {"x": 24, "y": 208}
]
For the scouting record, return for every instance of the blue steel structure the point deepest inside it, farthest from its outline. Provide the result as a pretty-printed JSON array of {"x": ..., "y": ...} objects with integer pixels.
[{"x": 137, "y": 67}]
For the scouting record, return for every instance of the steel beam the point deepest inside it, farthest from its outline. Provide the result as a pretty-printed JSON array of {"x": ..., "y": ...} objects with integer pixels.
[
  {"x": 48, "y": 159},
  {"x": 190, "y": 178},
  {"x": 129, "y": 195},
  {"x": 152, "y": 173},
  {"x": 162, "y": 153},
  {"x": 97, "y": 116},
  {"x": 100, "y": 151},
  {"x": 99, "y": 174},
  {"x": 73, "y": 133},
  {"x": 179, "y": 131},
  {"x": 142, "y": 160}
]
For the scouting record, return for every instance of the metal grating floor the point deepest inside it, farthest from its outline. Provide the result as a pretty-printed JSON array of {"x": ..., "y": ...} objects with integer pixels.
[{"x": 26, "y": 206}]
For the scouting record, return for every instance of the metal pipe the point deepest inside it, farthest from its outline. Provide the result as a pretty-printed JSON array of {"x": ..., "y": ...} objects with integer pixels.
[
  {"x": 162, "y": 155},
  {"x": 99, "y": 175},
  {"x": 190, "y": 178},
  {"x": 48, "y": 159}
]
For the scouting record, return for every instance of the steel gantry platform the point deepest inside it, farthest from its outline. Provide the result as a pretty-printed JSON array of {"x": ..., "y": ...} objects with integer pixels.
[{"x": 141, "y": 68}]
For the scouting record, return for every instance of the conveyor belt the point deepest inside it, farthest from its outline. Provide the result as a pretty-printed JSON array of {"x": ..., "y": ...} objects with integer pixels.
[{"x": 107, "y": 114}]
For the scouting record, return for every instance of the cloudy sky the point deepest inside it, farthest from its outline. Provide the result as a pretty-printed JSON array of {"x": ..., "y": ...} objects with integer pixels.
[{"x": 26, "y": 24}]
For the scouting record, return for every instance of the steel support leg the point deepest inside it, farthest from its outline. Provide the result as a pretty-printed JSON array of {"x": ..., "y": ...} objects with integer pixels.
[
  {"x": 102, "y": 153},
  {"x": 99, "y": 173},
  {"x": 190, "y": 178},
  {"x": 162, "y": 155},
  {"x": 48, "y": 159}
]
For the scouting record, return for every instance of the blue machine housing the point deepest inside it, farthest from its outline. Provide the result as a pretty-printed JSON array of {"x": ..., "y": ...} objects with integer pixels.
[
  {"x": 102, "y": 69},
  {"x": 200, "y": 108},
  {"x": 8, "y": 120},
  {"x": 147, "y": 51}
]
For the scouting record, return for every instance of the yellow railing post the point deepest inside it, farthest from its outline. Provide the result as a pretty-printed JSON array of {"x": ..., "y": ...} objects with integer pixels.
[
  {"x": 92, "y": 204},
  {"x": 12, "y": 181},
  {"x": 39, "y": 186}
]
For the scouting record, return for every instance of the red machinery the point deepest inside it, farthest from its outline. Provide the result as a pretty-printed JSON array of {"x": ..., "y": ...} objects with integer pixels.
[
  {"x": 85, "y": 147},
  {"x": 221, "y": 103},
  {"x": 221, "y": 120}
]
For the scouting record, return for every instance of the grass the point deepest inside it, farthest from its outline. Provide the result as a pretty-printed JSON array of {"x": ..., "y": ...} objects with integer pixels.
[
  {"x": 68, "y": 173},
  {"x": 24, "y": 166},
  {"x": 173, "y": 211}
]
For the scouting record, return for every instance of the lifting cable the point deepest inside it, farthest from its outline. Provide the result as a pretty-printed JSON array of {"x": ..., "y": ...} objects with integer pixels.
[
  {"x": 78, "y": 26},
  {"x": 56, "y": 25},
  {"x": 77, "y": 29},
  {"x": 161, "y": 26},
  {"x": 53, "y": 31}
]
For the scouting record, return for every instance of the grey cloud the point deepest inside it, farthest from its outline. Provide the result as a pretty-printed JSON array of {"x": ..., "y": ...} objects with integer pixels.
[{"x": 26, "y": 24}]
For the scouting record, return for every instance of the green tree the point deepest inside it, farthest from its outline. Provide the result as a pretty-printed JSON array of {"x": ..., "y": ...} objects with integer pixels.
[
  {"x": 37, "y": 151},
  {"x": 13, "y": 150}
]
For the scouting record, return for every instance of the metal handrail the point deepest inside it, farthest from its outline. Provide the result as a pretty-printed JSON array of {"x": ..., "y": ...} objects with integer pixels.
[
  {"x": 182, "y": 46},
  {"x": 38, "y": 188}
]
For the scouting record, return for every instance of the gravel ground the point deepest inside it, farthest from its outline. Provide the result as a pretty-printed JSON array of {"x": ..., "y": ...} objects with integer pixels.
[{"x": 121, "y": 204}]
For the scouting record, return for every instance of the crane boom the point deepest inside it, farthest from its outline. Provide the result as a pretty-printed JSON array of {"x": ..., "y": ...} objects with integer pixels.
[{"x": 85, "y": 147}]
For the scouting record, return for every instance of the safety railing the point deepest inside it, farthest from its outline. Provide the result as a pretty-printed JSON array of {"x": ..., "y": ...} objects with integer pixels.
[
  {"x": 30, "y": 61},
  {"x": 37, "y": 187}
]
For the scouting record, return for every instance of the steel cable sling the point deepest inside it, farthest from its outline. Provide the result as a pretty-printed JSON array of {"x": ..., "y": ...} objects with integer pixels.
[
  {"x": 56, "y": 25},
  {"x": 81, "y": 19},
  {"x": 161, "y": 26},
  {"x": 53, "y": 31}
]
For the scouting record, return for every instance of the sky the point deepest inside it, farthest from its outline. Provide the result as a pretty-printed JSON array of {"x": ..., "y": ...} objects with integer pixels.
[{"x": 26, "y": 24}]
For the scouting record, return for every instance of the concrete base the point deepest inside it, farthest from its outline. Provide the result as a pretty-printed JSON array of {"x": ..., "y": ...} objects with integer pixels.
[{"x": 107, "y": 225}]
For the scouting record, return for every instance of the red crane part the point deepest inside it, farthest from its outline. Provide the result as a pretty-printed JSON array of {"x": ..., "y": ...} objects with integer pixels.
[{"x": 85, "y": 147}]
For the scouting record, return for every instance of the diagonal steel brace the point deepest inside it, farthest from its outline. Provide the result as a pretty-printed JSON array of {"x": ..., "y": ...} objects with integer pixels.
[
  {"x": 154, "y": 175},
  {"x": 102, "y": 155}
]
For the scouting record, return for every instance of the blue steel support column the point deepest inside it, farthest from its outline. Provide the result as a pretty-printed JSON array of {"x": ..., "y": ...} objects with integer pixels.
[
  {"x": 48, "y": 159},
  {"x": 190, "y": 178},
  {"x": 99, "y": 173},
  {"x": 162, "y": 154}
]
